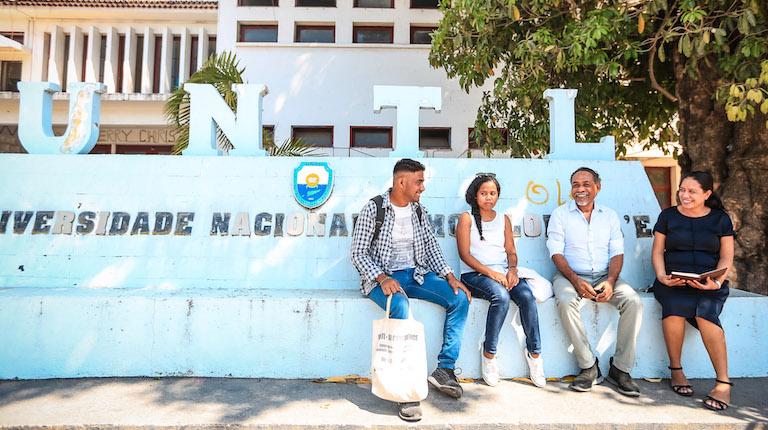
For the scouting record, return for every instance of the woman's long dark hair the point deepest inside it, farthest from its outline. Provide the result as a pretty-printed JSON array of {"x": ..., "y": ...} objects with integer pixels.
[
  {"x": 471, "y": 197},
  {"x": 707, "y": 184}
]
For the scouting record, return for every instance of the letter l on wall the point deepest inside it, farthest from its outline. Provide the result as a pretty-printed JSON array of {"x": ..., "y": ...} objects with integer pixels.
[{"x": 242, "y": 129}]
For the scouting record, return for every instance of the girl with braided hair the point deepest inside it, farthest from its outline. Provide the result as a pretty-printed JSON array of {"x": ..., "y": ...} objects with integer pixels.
[{"x": 489, "y": 269}]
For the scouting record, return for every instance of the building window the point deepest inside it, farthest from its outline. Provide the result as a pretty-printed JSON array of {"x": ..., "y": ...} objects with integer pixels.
[
  {"x": 85, "y": 58},
  {"x": 315, "y": 33},
  {"x": 47, "y": 54},
  {"x": 267, "y": 136},
  {"x": 421, "y": 35},
  {"x": 10, "y": 75},
  {"x": 103, "y": 56},
  {"x": 65, "y": 69},
  {"x": 476, "y": 142},
  {"x": 434, "y": 138},
  {"x": 193, "y": 47},
  {"x": 368, "y": 34},
  {"x": 258, "y": 33},
  {"x": 16, "y": 36},
  {"x": 315, "y": 3},
  {"x": 175, "y": 62},
  {"x": 158, "y": 59},
  {"x": 661, "y": 182},
  {"x": 120, "y": 59},
  {"x": 139, "y": 64},
  {"x": 375, "y": 3},
  {"x": 257, "y": 3},
  {"x": 370, "y": 137},
  {"x": 321, "y": 137},
  {"x": 424, "y": 4},
  {"x": 211, "y": 46}
]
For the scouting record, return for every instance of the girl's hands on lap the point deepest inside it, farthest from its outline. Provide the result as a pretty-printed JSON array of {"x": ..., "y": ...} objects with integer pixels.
[
  {"x": 709, "y": 284},
  {"x": 670, "y": 281}
]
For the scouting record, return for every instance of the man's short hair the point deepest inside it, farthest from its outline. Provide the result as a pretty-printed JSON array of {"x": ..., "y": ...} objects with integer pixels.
[
  {"x": 595, "y": 176},
  {"x": 408, "y": 165}
]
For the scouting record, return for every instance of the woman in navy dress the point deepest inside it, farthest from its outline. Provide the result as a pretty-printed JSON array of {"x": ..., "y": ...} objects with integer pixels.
[{"x": 695, "y": 236}]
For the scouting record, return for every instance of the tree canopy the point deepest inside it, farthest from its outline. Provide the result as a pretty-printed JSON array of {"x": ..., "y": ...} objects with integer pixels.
[{"x": 626, "y": 57}]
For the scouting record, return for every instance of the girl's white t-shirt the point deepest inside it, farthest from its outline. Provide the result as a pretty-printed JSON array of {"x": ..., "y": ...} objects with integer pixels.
[{"x": 490, "y": 251}]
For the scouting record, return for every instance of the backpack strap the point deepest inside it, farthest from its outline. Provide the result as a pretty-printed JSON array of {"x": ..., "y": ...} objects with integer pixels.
[{"x": 379, "y": 200}]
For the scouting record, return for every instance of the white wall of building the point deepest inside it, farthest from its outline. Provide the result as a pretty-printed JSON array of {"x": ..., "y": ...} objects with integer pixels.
[{"x": 332, "y": 84}]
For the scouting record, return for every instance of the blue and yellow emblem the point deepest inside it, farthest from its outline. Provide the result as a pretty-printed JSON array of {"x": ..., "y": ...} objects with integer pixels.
[{"x": 312, "y": 184}]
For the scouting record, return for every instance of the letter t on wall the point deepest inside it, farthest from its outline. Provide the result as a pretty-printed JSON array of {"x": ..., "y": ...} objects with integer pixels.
[
  {"x": 562, "y": 122},
  {"x": 408, "y": 101}
]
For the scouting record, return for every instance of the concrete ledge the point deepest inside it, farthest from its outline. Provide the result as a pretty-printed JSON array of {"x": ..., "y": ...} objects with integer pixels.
[{"x": 61, "y": 333}]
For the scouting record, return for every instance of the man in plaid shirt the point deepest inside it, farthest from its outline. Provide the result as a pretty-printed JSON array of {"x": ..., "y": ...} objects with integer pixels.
[{"x": 406, "y": 261}]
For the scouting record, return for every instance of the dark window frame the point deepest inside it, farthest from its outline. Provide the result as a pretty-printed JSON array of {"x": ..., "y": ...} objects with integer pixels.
[
  {"x": 353, "y": 129},
  {"x": 391, "y": 29},
  {"x": 296, "y": 29},
  {"x": 357, "y": 5},
  {"x": 16, "y": 36},
  {"x": 158, "y": 55},
  {"x": 313, "y": 128},
  {"x": 194, "y": 46},
  {"x": 243, "y": 27},
  {"x": 5, "y": 74},
  {"x": 266, "y": 132},
  {"x": 296, "y": 4},
  {"x": 445, "y": 129},
  {"x": 275, "y": 3},
  {"x": 415, "y": 28},
  {"x": 120, "y": 59},
  {"x": 436, "y": 6}
]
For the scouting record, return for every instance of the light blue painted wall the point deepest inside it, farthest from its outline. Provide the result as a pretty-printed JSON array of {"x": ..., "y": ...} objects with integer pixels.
[{"x": 277, "y": 306}]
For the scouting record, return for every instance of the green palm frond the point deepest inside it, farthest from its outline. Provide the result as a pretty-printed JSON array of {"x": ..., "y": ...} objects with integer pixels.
[
  {"x": 221, "y": 71},
  {"x": 290, "y": 148}
]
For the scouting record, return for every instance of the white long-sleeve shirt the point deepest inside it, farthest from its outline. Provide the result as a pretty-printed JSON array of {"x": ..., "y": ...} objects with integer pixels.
[{"x": 587, "y": 246}]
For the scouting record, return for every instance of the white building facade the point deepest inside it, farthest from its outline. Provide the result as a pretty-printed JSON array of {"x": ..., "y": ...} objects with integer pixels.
[{"x": 140, "y": 49}]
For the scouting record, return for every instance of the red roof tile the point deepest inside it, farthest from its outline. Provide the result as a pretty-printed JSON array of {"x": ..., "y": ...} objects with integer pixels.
[{"x": 156, "y": 4}]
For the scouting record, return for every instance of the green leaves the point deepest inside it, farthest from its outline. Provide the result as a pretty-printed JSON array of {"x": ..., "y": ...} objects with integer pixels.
[{"x": 602, "y": 49}]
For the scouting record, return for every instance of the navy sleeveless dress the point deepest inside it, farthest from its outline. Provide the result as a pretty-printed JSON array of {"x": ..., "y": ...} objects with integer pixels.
[{"x": 692, "y": 245}]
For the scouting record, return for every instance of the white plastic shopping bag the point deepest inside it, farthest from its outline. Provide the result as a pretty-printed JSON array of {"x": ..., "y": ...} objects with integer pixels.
[{"x": 398, "y": 359}]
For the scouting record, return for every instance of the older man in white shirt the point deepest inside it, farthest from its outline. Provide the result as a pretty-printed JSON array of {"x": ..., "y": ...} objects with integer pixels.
[{"x": 586, "y": 244}]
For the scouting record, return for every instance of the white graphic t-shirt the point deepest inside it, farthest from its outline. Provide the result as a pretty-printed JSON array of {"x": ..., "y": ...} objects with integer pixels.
[{"x": 402, "y": 239}]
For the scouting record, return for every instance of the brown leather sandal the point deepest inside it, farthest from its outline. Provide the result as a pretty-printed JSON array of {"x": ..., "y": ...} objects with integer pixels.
[
  {"x": 684, "y": 390},
  {"x": 714, "y": 404}
]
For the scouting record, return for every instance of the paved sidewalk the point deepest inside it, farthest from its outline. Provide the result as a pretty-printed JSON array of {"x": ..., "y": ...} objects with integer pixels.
[{"x": 270, "y": 403}]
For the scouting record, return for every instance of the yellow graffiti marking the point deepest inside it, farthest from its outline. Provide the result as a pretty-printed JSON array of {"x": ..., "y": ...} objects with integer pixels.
[
  {"x": 536, "y": 193},
  {"x": 559, "y": 194}
]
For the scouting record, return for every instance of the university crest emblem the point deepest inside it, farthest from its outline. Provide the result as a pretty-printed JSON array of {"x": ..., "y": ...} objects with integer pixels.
[{"x": 312, "y": 184}]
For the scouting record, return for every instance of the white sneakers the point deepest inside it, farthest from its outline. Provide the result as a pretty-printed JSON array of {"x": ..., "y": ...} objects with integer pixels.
[
  {"x": 536, "y": 369},
  {"x": 490, "y": 369}
]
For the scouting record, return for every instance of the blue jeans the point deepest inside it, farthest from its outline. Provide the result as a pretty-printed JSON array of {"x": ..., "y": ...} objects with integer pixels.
[
  {"x": 485, "y": 288},
  {"x": 435, "y": 290}
]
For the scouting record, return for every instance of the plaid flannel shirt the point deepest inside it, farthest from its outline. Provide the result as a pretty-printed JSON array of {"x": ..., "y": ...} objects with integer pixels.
[{"x": 372, "y": 259}]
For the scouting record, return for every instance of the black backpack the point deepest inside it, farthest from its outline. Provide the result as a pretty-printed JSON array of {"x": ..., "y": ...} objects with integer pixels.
[{"x": 379, "y": 200}]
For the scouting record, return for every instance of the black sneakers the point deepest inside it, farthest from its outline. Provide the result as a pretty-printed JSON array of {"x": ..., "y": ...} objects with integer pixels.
[
  {"x": 445, "y": 381},
  {"x": 586, "y": 378},
  {"x": 409, "y": 411},
  {"x": 623, "y": 381}
]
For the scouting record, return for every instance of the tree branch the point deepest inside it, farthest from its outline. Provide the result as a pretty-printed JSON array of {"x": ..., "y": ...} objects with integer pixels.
[{"x": 652, "y": 75}]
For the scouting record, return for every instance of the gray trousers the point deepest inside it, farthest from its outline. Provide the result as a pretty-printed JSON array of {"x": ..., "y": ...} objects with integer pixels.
[{"x": 625, "y": 299}]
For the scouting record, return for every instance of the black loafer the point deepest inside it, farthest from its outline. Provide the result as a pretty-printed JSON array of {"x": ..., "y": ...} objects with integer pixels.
[
  {"x": 623, "y": 381},
  {"x": 584, "y": 381}
]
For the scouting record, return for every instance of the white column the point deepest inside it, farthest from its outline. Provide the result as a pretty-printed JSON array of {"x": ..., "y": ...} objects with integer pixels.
[
  {"x": 38, "y": 46},
  {"x": 56, "y": 59},
  {"x": 148, "y": 62},
  {"x": 110, "y": 60},
  {"x": 202, "y": 47},
  {"x": 93, "y": 63},
  {"x": 75, "y": 62},
  {"x": 129, "y": 60},
  {"x": 165, "y": 61},
  {"x": 184, "y": 54}
]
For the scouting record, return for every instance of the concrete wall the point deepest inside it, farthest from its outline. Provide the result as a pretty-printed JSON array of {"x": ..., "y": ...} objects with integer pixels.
[{"x": 285, "y": 306}]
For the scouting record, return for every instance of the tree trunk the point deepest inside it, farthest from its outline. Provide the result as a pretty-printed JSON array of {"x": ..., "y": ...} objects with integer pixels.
[{"x": 737, "y": 156}]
